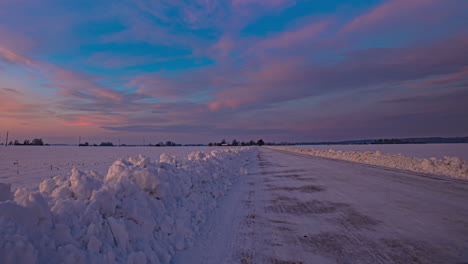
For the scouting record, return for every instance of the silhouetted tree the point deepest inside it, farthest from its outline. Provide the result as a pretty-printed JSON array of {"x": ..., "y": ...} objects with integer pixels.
[
  {"x": 210, "y": 144},
  {"x": 106, "y": 144},
  {"x": 37, "y": 142},
  {"x": 235, "y": 143},
  {"x": 170, "y": 144},
  {"x": 260, "y": 142}
]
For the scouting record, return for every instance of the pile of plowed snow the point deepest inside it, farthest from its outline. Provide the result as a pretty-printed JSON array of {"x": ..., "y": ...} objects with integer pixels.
[
  {"x": 140, "y": 212},
  {"x": 449, "y": 166}
]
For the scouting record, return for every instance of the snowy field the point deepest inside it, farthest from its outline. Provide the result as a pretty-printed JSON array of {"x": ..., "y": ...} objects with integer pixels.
[
  {"x": 140, "y": 210},
  {"x": 172, "y": 205},
  {"x": 412, "y": 150},
  {"x": 27, "y": 166}
]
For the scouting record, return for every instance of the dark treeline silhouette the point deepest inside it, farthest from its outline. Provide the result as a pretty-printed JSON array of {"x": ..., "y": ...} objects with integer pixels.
[
  {"x": 110, "y": 144},
  {"x": 162, "y": 144},
  {"x": 103, "y": 144},
  {"x": 86, "y": 144},
  {"x": 419, "y": 140},
  {"x": 237, "y": 143},
  {"x": 26, "y": 142},
  {"x": 392, "y": 141}
]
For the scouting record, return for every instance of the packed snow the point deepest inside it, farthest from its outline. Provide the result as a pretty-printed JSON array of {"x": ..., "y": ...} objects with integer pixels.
[
  {"x": 139, "y": 212},
  {"x": 413, "y": 150},
  {"x": 449, "y": 166}
]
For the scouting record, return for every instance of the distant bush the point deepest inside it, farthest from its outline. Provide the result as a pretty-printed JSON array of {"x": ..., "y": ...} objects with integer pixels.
[
  {"x": 170, "y": 144},
  {"x": 167, "y": 144},
  {"x": 37, "y": 142},
  {"x": 106, "y": 144},
  {"x": 260, "y": 142}
]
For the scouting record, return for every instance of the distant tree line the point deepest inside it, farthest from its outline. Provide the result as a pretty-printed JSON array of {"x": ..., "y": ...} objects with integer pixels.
[
  {"x": 110, "y": 144},
  {"x": 27, "y": 142},
  {"x": 162, "y": 144},
  {"x": 392, "y": 141},
  {"x": 234, "y": 142},
  {"x": 103, "y": 144}
]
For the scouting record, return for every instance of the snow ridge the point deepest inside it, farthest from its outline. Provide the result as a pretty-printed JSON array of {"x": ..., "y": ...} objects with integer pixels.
[
  {"x": 449, "y": 166},
  {"x": 140, "y": 212}
]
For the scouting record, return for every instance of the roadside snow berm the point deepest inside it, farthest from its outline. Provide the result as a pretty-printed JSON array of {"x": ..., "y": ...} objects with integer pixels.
[{"x": 140, "y": 212}]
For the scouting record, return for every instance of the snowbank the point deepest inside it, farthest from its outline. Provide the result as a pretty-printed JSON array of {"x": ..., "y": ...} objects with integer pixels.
[
  {"x": 140, "y": 212},
  {"x": 449, "y": 166}
]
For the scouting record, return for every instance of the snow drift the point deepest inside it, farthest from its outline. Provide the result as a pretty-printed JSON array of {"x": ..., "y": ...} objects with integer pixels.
[
  {"x": 449, "y": 166},
  {"x": 140, "y": 212}
]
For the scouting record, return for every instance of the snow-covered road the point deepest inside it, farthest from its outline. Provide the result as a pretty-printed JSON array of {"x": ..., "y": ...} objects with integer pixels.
[{"x": 296, "y": 208}]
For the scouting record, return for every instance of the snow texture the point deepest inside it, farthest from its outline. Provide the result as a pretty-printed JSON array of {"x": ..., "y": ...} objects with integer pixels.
[
  {"x": 413, "y": 150},
  {"x": 448, "y": 166},
  {"x": 139, "y": 212}
]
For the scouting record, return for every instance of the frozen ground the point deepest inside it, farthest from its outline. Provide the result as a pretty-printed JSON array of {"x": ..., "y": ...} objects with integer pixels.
[
  {"x": 27, "y": 166},
  {"x": 413, "y": 150}
]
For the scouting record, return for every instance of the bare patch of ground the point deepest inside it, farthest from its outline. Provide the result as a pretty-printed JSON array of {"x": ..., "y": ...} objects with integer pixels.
[
  {"x": 279, "y": 261},
  {"x": 301, "y": 208},
  {"x": 357, "y": 220},
  {"x": 305, "y": 188}
]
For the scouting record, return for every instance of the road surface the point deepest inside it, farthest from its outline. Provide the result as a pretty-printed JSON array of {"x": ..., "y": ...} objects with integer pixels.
[{"x": 296, "y": 208}]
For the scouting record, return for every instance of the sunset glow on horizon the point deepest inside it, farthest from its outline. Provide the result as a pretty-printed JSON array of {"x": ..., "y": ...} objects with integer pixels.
[{"x": 196, "y": 71}]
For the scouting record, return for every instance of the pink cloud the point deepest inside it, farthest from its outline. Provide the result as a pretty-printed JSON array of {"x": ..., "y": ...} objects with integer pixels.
[
  {"x": 405, "y": 12},
  {"x": 91, "y": 120},
  {"x": 69, "y": 81},
  {"x": 270, "y": 3},
  {"x": 10, "y": 104},
  {"x": 171, "y": 88},
  {"x": 77, "y": 91},
  {"x": 452, "y": 78},
  {"x": 282, "y": 78},
  {"x": 14, "y": 58},
  {"x": 269, "y": 82},
  {"x": 224, "y": 46},
  {"x": 293, "y": 38},
  {"x": 403, "y": 99},
  {"x": 19, "y": 106},
  {"x": 11, "y": 38},
  {"x": 155, "y": 86}
]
